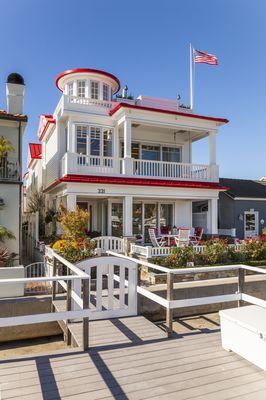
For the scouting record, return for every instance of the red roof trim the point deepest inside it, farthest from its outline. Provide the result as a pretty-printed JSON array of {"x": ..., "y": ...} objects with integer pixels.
[
  {"x": 49, "y": 120},
  {"x": 160, "y": 110},
  {"x": 137, "y": 181},
  {"x": 80, "y": 70}
]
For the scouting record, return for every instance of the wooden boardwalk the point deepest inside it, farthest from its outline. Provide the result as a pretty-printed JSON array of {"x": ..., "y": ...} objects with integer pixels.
[{"x": 132, "y": 359}]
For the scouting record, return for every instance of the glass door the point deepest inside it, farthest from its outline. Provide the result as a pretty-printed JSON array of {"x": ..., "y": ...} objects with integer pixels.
[
  {"x": 150, "y": 219},
  {"x": 251, "y": 224}
]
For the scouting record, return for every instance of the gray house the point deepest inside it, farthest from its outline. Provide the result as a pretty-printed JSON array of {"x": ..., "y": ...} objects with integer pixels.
[{"x": 243, "y": 207}]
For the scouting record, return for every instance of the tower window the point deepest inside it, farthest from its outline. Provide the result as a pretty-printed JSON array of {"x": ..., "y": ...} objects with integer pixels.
[
  {"x": 105, "y": 92},
  {"x": 81, "y": 88},
  {"x": 94, "y": 90},
  {"x": 70, "y": 89}
]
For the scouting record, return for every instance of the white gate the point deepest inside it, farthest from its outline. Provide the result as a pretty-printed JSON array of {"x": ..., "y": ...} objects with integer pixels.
[{"x": 113, "y": 291}]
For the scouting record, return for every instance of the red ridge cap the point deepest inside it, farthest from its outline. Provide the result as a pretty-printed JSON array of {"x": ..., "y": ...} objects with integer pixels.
[
  {"x": 49, "y": 120},
  {"x": 163, "y": 111},
  {"x": 80, "y": 70},
  {"x": 137, "y": 182}
]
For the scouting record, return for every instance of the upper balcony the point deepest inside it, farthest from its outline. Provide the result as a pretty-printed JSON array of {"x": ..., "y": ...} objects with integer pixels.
[{"x": 73, "y": 163}]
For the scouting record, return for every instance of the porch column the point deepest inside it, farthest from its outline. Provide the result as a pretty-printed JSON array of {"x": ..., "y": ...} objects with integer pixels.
[
  {"x": 109, "y": 217},
  {"x": 116, "y": 160},
  {"x": 71, "y": 202},
  {"x": 127, "y": 216},
  {"x": 127, "y": 170},
  {"x": 212, "y": 147},
  {"x": 212, "y": 216}
]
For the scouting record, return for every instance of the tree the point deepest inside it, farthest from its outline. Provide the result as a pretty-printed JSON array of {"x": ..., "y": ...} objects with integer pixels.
[
  {"x": 36, "y": 203},
  {"x": 74, "y": 223},
  {"x": 5, "y": 147}
]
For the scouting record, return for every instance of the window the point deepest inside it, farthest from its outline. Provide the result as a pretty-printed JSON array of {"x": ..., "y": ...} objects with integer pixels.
[
  {"x": 166, "y": 217},
  {"x": 94, "y": 90},
  {"x": 82, "y": 133},
  {"x": 81, "y": 88},
  {"x": 172, "y": 154},
  {"x": 70, "y": 89},
  {"x": 95, "y": 141},
  {"x": 150, "y": 152},
  {"x": 105, "y": 92},
  {"x": 107, "y": 142}
]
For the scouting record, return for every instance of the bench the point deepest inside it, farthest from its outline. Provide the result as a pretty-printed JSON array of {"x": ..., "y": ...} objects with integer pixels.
[{"x": 243, "y": 330}]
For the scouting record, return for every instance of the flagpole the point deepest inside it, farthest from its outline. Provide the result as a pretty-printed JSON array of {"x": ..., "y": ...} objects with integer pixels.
[{"x": 191, "y": 77}]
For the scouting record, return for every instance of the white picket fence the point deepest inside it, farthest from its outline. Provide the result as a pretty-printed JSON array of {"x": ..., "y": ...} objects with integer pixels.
[
  {"x": 110, "y": 243},
  {"x": 149, "y": 251}
]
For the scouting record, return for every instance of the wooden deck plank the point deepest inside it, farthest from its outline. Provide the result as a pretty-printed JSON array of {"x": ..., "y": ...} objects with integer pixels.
[{"x": 146, "y": 366}]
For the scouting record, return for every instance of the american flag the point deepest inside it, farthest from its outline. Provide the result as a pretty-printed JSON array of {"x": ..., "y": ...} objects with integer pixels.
[{"x": 205, "y": 58}]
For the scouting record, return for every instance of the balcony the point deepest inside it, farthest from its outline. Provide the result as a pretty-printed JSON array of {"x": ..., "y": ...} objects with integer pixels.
[
  {"x": 72, "y": 163},
  {"x": 9, "y": 169}
]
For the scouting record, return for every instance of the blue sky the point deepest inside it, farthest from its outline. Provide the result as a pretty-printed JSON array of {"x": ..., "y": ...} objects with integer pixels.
[{"x": 146, "y": 44}]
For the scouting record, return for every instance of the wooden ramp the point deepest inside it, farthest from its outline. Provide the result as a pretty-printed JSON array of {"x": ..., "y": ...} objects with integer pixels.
[
  {"x": 191, "y": 367},
  {"x": 113, "y": 331}
]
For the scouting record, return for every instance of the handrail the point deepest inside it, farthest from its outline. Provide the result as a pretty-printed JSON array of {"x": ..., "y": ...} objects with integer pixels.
[{"x": 45, "y": 279}]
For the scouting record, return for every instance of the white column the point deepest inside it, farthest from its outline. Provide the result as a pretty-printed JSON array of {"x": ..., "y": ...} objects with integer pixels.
[
  {"x": 71, "y": 202},
  {"x": 109, "y": 217},
  {"x": 116, "y": 150},
  {"x": 127, "y": 148},
  {"x": 212, "y": 147},
  {"x": 127, "y": 215},
  {"x": 212, "y": 217}
]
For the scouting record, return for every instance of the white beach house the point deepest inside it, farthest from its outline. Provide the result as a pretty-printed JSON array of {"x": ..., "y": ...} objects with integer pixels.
[{"x": 128, "y": 161}]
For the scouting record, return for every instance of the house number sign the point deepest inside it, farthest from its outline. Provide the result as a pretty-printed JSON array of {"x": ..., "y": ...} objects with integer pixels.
[{"x": 101, "y": 191}]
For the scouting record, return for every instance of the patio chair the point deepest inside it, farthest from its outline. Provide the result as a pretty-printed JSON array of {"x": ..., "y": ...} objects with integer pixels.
[
  {"x": 182, "y": 239},
  {"x": 156, "y": 241},
  {"x": 197, "y": 236}
]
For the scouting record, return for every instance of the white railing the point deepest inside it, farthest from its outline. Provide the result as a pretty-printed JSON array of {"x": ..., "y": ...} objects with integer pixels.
[
  {"x": 163, "y": 169},
  {"x": 106, "y": 243},
  {"x": 149, "y": 251},
  {"x": 37, "y": 270},
  {"x": 83, "y": 164},
  {"x": 84, "y": 101},
  {"x": 170, "y": 304}
]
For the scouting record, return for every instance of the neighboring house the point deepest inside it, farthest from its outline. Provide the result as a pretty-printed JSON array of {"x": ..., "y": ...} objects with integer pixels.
[
  {"x": 243, "y": 207},
  {"x": 127, "y": 161},
  {"x": 12, "y": 126}
]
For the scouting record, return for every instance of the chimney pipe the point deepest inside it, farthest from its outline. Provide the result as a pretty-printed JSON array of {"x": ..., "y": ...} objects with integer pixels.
[{"x": 15, "y": 89}]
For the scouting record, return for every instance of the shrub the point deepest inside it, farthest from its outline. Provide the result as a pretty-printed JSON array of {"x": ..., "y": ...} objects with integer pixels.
[
  {"x": 75, "y": 251},
  {"x": 74, "y": 223}
]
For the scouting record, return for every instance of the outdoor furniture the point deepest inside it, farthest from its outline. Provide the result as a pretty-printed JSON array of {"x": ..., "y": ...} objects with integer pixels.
[
  {"x": 196, "y": 237},
  {"x": 182, "y": 239},
  {"x": 156, "y": 241},
  {"x": 243, "y": 330}
]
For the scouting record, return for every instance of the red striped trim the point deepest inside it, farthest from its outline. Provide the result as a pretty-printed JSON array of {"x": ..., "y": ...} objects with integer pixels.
[
  {"x": 137, "y": 182},
  {"x": 160, "y": 110},
  {"x": 88, "y": 70}
]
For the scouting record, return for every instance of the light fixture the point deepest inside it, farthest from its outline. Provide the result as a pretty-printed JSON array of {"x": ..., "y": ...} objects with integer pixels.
[
  {"x": 2, "y": 202},
  {"x": 241, "y": 217}
]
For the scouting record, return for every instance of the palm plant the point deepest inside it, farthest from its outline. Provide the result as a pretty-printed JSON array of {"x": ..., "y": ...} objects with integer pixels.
[
  {"x": 5, "y": 147},
  {"x": 5, "y": 234},
  {"x": 4, "y": 256}
]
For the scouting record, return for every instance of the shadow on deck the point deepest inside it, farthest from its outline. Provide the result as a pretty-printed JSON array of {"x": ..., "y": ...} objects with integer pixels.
[{"x": 137, "y": 362}]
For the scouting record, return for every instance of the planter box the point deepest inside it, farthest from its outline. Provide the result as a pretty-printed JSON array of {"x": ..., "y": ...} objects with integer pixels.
[
  {"x": 12, "y": 290},
  {"x": 243, "y": 331}
]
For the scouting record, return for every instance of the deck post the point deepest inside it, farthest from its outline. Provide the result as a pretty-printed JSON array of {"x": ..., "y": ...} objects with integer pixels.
[
  {"x": 68, "y": 308},
  {"x": 169, "y": 296},
  {"x": 85, "y": 319},
  {"x": 241, "y": 284},
  {"x": 53, "y": 283}
]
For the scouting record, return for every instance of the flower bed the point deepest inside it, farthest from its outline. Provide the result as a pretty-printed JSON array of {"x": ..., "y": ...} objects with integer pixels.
[
  {"x": 75, "y": 251},
  {"x": 217, "y": 252}
]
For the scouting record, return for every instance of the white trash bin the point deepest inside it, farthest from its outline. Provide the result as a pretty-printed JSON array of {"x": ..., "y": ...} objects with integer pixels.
[{"x": 243, "y": 331}]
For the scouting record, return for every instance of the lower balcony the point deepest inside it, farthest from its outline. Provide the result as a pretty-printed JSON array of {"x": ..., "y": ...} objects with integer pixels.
[
  {"x": 73, "y": 163},
  {"x": 9, "y": 169}
]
